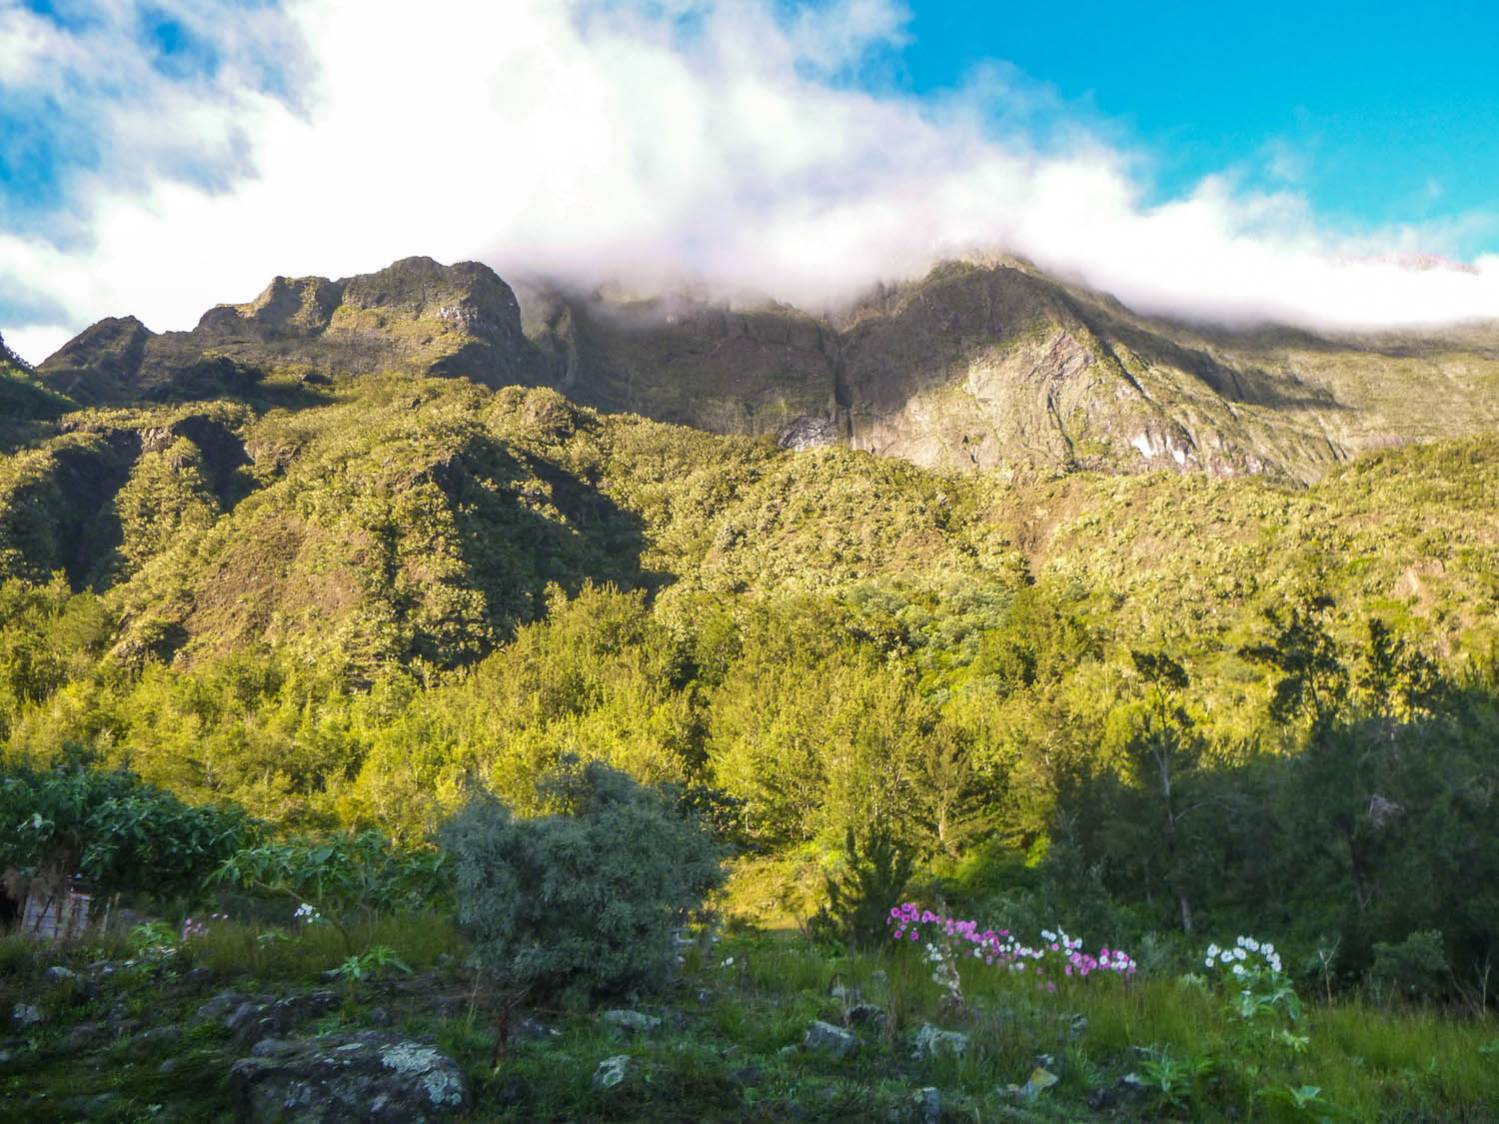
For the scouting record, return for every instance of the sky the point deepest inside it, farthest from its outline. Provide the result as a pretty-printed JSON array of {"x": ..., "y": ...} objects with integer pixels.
[{"x": 1325, "y": 164}]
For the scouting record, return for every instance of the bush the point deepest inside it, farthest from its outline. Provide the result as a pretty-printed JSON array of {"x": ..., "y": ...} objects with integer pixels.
[
  {"x": 584, "y": 901},
  {"x": 861, "y": 895},
  {"x": 1415, "y": 968},
  {"x": 116, "y": 831}
]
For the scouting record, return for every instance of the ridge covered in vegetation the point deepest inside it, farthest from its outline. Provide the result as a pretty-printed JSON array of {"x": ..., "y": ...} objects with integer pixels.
[{"x": 1146, "y": 707}]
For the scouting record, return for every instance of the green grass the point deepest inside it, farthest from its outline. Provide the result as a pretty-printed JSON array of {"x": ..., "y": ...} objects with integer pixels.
[{"x": 730, "y": 1045}]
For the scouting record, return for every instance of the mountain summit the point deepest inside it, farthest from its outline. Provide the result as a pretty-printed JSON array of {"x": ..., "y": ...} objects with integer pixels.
[{"x": 979, "y": 365}]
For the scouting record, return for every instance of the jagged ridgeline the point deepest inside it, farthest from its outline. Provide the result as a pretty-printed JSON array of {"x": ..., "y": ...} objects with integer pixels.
[{"x": 383, "y": 476}]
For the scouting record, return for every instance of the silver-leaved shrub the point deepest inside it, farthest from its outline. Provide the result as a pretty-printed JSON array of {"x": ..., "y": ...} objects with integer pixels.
[{"x": 583, "y": 901}]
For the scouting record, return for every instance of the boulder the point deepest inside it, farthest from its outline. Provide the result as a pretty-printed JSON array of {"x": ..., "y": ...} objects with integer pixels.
[
  {"x": 341, "y": 1079},
  {"x": 26, "y": 1015},
  {"x": 633, "y": 1021},
  {"x": 611, "y": 1072},
  {"x": 928, "y": 1104},
  {"x": 932, "y": 1041},
  {"x": 830, "y": 1039}
]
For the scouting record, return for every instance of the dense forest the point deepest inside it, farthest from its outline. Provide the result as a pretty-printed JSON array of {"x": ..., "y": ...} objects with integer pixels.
[{"x": 1158, "y": 702}]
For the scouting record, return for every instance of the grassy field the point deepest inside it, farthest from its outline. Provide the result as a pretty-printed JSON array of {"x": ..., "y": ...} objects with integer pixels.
[{"x": 729, "y": 1046}]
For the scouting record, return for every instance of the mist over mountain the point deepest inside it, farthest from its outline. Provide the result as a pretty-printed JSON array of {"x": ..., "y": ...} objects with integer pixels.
[{"x": 982, "y": 364}]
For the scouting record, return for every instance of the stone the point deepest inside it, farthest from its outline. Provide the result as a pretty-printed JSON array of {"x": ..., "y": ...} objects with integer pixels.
[
  {"x": 219, "y": 1006},
  {"x": 379, "y": 1016},
  {"x": 531, "y": 1029},
  {"x": 340, "y": 1079},
  {"x": 58, "y": 974},
  {"x": 865, "y": 1014},
  {"x": 747, "y": 1075},
  {"x": 829, "y": 1039},
  {"x": 928, "y": 1104},
  {"x": 85, "y": 1035},
  {"x": 1037, "y": 1083},
  {"x": 633, "y": 1021},
  {"x": 610, "y": 1072},
  {"x": 932, "y": 1041},
  {"x": 26, "y": 1016}
]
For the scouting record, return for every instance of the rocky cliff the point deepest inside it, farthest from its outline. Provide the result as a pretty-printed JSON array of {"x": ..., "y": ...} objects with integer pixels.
[{"x": 980, "y": 365}]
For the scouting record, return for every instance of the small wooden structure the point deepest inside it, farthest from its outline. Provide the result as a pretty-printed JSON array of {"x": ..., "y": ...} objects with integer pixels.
[{"x": 60, "y": 915}]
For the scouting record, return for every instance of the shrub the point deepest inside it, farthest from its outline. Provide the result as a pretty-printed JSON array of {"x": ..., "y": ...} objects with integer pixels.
[
  {"x": 1414, "y": 969},
  {"x": 860, "y": 894},
  {"x": 116, "y": 831},
  {"x": 585, "y": 900}
]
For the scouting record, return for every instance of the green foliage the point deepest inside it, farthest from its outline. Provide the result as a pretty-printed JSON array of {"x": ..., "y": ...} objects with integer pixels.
[
  {"x": 860, "y": 895},
  {"x": 370, "y": 963},
  {"x": 586, "y": 899},
  {"x": 1413, "y": 969},
  {"x": 340, "y": 875},
  {"x": 112, "y": 829}
]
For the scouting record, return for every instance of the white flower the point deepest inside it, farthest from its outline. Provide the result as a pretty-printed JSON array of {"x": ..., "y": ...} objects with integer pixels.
[
  {"x": 1209, "y": 962},
  {"x": 1251, "y": 944},
  {"x": 1238, "y": 969},
  {"x": 1212, "y": 951}
]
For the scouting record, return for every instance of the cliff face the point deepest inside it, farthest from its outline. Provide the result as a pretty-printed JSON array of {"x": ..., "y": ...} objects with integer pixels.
[
  {"x": 416, "y": 316},
  {"x": 977, "y": 366}
]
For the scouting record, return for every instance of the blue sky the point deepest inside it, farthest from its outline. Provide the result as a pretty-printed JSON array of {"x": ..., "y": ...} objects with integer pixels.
[
  {"x": 1379, "y": 113},
  {"x": 1310, "y": 163}
]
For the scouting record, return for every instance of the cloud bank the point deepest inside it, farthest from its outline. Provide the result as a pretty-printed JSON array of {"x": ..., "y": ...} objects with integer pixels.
[{"x": 207, "y": 146}]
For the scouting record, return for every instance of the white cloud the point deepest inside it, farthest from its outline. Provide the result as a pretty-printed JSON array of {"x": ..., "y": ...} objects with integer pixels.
[{"x": 722, "y": 140}]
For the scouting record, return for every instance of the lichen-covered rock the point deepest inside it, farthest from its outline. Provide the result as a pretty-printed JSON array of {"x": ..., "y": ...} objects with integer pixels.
[
  {"x": 634, "y": 1021},
  {"x": 341, "y": 1079},
  {"x": 611, "y": 1072},
  {"x": 932, "y": 1041},
  {"x": 830, "y": 1039},
  {"x": 26, "y": 1015}
]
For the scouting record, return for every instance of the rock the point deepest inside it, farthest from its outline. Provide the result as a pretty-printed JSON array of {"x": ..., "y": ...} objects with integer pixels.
[
  {"x": 198, "y": 976},
  {"x": 241, "y": 1015},
  {"x": 379, "y": 1016},
  {"x": 611, "y": 1072},
  {"x": 530, "y": 1029},
  {"x": 747, "y": 1075},
  {"x": 26, "y": 1016},
  {"x": 84, "y": 1035},
  {"x": 167, "y": 1066},
  {"x": 928, "y": 1104},
  {"x": 932, "y": 1041},
  {"x": 865, "y": 1014},
  {"x": 1076, "y": 1027},
  {"x": 849, "y": 996},
  {"x": 219, "y": 1006},
  {"x": 341, "y": 1079},
  {"x": 1037, "y": 1083},
  {"x": 830, "y": 1039},
  {"x": 58, "y": 974},
  {"x": 633, "y": 1021}
]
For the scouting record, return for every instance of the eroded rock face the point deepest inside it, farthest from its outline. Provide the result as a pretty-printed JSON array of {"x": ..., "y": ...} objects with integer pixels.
[
  {"x": 341, "y": 1079},
  {"x": 414, "y": 316}
]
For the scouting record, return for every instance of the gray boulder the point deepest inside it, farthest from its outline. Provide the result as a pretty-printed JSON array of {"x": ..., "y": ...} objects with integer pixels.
[
  {"x": 829, "y": 1039},
  {"x": 634, "y": 1021},
  {"x": 611, "y": 1072},
  {"x": 340, "y": 1079},
  {"x": 932, "y": 1041}
]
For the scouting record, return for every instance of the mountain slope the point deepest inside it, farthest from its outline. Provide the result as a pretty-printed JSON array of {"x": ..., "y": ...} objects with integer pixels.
[{"x": 980, "y": 365}]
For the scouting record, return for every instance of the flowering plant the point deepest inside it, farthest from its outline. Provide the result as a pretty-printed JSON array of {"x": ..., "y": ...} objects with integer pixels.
[
  {"x": 1256, "y": 969},
  {"x": 194, "y": 928},
  {"x": 1056, "y": 955}
]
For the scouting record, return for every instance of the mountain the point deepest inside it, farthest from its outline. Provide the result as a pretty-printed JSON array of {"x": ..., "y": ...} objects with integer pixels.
[
  {"x": 980, "y": 365},
  {"x": 415, "y": 316}
]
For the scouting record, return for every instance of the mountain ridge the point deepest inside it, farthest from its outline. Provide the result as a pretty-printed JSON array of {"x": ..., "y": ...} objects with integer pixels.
[{"x": 980, "y": 365}]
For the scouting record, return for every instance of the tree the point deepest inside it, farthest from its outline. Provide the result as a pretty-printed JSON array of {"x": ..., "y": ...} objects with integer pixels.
[{"x": 1164, "y": 751}]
